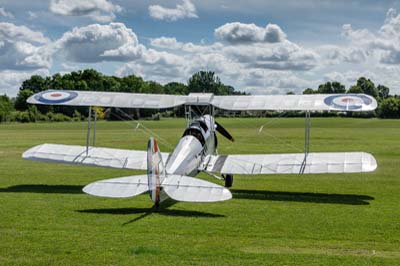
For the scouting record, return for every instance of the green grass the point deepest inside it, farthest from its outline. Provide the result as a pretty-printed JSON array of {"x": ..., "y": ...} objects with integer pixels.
[{"x": 350, "y": 219}]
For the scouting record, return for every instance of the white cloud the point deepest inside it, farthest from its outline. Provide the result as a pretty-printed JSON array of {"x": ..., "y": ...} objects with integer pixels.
[
  {"x": 5, "y": 13},
  {"x": 170, "y": 43},
  {"x": 184, "y": 10},
  {"x": 384, "y": 44},
  {"x": 22, "y": 49},
  {"x": 98, "y": 10},
  {"x": 333, "y": 54},
  {"x": 240, "y": 33},
  {"x": 10, "y": 81},
  {"x": 10, "y": 31},
  {"x": 280, "y": 56},
  {"x": 96, "y": 43}
]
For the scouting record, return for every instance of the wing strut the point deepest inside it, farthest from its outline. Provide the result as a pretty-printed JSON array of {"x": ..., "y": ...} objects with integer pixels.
[
  {"x": 306, "y": 141},
  {"x": 89, "y": 128}
]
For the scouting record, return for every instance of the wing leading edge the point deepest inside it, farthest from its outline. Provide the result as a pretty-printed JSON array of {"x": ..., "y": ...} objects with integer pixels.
[
  {"x": 105, "y": 157},
  {"x": 312, "y": 102},
  {"x": 292, "y": 163}
]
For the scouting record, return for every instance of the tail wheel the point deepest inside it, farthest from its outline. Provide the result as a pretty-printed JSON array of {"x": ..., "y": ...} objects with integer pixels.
[{"x": 228, "y": 180}]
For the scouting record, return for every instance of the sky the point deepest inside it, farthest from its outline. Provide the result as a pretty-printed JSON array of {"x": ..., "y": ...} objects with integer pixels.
[{"x": 261, "y": 47}]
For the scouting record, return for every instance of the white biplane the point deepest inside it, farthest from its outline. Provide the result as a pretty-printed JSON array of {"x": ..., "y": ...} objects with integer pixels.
[{"x": 171, "y": 174}]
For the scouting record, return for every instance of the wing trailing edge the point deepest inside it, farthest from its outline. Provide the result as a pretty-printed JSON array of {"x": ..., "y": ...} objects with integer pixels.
[{"x": 292, "y": 163}]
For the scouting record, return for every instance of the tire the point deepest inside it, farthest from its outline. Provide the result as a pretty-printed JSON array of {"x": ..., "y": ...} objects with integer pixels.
[{"x": 228, "y": 180}]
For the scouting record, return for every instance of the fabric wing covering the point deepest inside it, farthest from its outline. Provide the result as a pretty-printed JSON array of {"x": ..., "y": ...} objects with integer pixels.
[
  {"x": 122, "y": 187},
  {"x": 292, "y": 163},
  {"x": 181, "y": 188},
  {"x": 310, "y": 102},
  {"x": 105, "y": 157},
  {"x": 185, "y": 188}
]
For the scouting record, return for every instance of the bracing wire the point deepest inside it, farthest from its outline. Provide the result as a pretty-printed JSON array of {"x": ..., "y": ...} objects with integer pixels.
[{"x": 143, "y": 128}]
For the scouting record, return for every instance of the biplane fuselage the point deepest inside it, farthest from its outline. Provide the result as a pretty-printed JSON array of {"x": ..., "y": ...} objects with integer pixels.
[{"x": 198, "y": 141}]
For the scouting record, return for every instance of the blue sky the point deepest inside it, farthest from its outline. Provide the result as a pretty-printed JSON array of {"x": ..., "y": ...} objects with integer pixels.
[{"x": 261, "y": 47}]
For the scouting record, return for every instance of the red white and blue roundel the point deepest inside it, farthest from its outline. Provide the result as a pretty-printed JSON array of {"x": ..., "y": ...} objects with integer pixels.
[
  {"x": 49, "y": 97},
  {"x": 348, "y": 102}
]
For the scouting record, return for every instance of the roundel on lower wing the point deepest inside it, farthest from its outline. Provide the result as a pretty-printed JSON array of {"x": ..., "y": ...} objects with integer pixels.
[
  {"x": 56, "y": 96},
  {"x": 347, "y": 102}
]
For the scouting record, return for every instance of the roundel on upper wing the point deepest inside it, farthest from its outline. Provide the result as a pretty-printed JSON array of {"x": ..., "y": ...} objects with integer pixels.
[
  {"x": 348, "y": 102},
  {"x": 56, "y": 96}
]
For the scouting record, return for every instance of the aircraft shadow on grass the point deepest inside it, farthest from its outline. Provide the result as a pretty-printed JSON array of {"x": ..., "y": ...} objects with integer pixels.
[
  {"x": 75, "y": 189},
  {"x": 41, "y": 188},
  {"x": 162, "y": 210},
  {"x": 349, "y": 199}
]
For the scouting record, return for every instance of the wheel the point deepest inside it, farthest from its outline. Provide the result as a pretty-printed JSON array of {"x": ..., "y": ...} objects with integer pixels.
[{"x": 228, "y": 180}]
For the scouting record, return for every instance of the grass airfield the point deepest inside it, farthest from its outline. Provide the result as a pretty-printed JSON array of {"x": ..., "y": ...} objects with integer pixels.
[{"x": 335, "y": 219}]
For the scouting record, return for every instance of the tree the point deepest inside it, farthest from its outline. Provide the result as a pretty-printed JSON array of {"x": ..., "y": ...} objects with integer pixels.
[
  {"x": 176, "y": 88},
  {"x": 309, "y": 91},
  {"x": 331, "y": 87},
  {"x": 389, "y": 108},
  {"x": 35, "y": 84},
  {"x": 355, "y": 89},
  {"x": 383, "y": 91},
  {"x": 5, "y": 107},
  {"x": 367, "y": 87},
  {"x": 204, "y": 81},
  {"x": 20, "y": 101}
]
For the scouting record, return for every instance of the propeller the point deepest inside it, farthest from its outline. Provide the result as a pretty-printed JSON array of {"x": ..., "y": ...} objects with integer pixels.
[{"x": 224, "y": 132}]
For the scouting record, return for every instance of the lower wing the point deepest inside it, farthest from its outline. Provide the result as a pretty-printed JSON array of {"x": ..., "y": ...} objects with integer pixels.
[
  {"x": 106, "y": 157},
  {"x": 292, "y": 163}
]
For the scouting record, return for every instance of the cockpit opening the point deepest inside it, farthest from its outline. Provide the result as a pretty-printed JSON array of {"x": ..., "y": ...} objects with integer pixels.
[{"x": 195, "y": 133}]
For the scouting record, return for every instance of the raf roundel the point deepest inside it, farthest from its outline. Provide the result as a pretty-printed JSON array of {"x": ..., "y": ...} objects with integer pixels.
[
  {"x": 348, "y": 102},
  {"x": 56, "y": 96}
]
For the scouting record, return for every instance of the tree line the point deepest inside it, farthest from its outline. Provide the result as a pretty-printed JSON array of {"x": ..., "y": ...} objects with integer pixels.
[{"x": 16, "y": 109}]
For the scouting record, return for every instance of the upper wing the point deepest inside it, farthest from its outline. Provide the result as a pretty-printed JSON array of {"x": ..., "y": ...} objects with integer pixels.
[
  {"x": 106, "y": 157},
  {"x": 121, "y": 187},
  {"x": 308, "y": 102},
  {"x": 185, "y": 188},
  {"x": 311, "y": 102},
  {"x": 293, "y": 163},
  {"x": 107, "y": 99}
]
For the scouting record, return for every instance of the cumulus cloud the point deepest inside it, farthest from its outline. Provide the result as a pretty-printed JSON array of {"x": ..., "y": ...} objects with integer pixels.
[
  {"x": 98, "y": 10},
  {"x": 240, "y": 33},
  {"x": 96, "y": 43},
  {"x": 5, "y": 13},
  {"x": 384, "y": 44},
  {"x": 22, "y": 49},
  {"x": 170, "y": 43},
  {"x": 10, "y": 80},
  {"x": 333, "y": 54},
  {"x": 184, "y": 10},
  {"x": 282, "y": 56},
  {"x": 10, "y": 31}
]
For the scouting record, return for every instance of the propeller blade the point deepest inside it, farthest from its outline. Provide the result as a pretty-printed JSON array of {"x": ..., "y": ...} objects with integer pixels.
[{"x": 224, "y": 132}]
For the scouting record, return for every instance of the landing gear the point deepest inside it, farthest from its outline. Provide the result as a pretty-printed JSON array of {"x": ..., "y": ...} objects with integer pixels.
[{"x": 228, "y": 180}]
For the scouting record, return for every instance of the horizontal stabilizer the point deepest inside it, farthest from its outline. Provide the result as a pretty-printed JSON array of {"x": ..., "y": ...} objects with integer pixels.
[
  {"x": 122, "y": 187},
  {"x": 96, "y": 156},
  {"x": 184, "y": 188},
  {"x": 292, "y": 163}
]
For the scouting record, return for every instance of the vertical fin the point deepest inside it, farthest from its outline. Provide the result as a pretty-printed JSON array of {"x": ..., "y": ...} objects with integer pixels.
[{"x": 155, "y": 170}]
